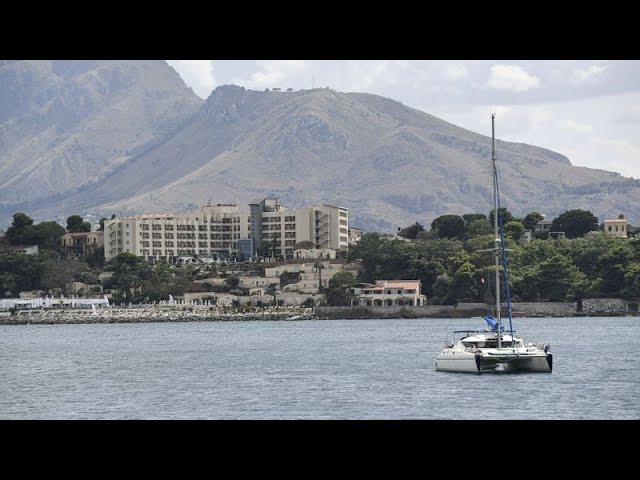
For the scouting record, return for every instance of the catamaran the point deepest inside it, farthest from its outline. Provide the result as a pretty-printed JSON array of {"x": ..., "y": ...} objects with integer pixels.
[{"x": 493, "y": 349}]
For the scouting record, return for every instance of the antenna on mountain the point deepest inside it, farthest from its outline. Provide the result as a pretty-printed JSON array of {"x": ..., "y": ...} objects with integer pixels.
[{"x": 313, "y": 81}]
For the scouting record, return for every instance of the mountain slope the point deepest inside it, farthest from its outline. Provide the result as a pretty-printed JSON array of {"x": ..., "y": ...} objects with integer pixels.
[
  {"x": 390, "y": 164},
  {"x": 64, "y": 123}
]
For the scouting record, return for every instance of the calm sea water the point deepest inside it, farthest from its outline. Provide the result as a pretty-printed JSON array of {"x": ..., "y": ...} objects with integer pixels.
[{"x": 340, "y": 369}]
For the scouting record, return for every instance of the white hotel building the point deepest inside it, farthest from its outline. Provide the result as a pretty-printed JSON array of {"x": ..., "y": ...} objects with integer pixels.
[{"x": 223, "y": 231}]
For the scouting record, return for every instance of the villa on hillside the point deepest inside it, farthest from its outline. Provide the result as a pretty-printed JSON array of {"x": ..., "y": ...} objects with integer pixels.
[
  {"x": 389, "y": 293},
  {"x": 80, "y": 244},
  {"x": 618, "y": 227}
]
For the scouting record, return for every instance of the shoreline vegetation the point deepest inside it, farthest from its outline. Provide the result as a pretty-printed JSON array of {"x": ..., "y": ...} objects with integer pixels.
[{"x": 151, "y": 314}]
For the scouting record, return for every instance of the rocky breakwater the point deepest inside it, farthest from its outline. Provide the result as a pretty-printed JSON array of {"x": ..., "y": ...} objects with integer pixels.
[{"x": 145, "y": 315}]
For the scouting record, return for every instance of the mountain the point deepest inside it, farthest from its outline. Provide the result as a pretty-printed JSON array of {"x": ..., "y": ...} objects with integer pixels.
[
  {"x": 66, "y": 123},
  {"x": 390, "y": 164}
]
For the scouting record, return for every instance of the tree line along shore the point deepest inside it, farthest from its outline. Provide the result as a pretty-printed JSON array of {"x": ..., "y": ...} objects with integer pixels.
[{"x": 449, "y": 259}]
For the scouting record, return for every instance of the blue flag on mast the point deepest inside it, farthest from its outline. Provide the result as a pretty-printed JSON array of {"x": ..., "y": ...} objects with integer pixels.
[{"x": 493, "y": 323}]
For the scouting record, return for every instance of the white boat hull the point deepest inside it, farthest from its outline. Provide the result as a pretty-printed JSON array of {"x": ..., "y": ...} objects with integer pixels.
[
  {"x": 494, "y": 361},
  {"x": 457, "y": 362}
]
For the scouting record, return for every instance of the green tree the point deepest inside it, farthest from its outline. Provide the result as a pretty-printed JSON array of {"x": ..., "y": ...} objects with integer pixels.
[
  {"x": 556, "y": 279},
  {"x": 505, "y": 214},
  {"x": 231, "y": 282},
  {"x": 304, "y": 245},
  {"x": 531, "y": 220},
  {"x": 59, "y": 273},
  {"x": 76, "y": 224},
  {"x": 48, "y": 235},
  {"x": 319, "y": 266},
  {"x": 613, "y": 269},
  {"x": 272, "y": 290},
  {"x": 412, "y": 231},
  {"x": 95, "y": 259},
  {"x": 441, "y": 291},
  {"x": 20, "y": 230},
  {"x": 129, "y": 273},
  {"x": 478, "y": 227},
  {"x": 162, "y": 282},
  {"x": 514, "y": 230},
  {"x": 101, "y": 227},
  {"x": 631, "y": 288},
  {"x": 448, "y": 226},
  {"x": 464, "y": 286},
  {"x": 19, "y": 272},
  {"x": 267, "y": 249},
  {"x": 288, "y": 277},
  {"x": 338, "y": 291},
  {"x": 427, "y": 271},
  {"x": 472, "y": 217},
  {"x": 575, "y": 223}
]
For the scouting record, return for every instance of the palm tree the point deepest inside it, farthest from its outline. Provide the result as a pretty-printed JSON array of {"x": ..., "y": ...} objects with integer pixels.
[
  {"x": 271, "y": 290},
  {"x": 319, "y": 267}
]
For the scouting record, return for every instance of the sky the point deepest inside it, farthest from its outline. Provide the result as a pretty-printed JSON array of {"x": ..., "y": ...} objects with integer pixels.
[{"x": 587, "y": 110}]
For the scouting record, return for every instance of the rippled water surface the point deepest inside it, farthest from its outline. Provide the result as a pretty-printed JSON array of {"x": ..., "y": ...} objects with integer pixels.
[{"x": 338, "y": 369}]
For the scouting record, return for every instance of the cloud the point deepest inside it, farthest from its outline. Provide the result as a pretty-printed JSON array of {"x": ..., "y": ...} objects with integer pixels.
[
  {"x": 574, "y": 126},
  {"x": 591, "y": 72},
  {"x": 197, "y": 74},
  {"x": 455, "y": 72},
  {"x": 366, "y": 74},
  {"x": 629, "y": 116},
  {"x": 511, "y": 77},
  {"x": 273, "y": 73},
  {"x": 614, "y": 155}
]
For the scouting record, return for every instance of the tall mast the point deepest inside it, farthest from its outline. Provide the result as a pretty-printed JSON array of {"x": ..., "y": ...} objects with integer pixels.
[{"x": 497, "y": 241}]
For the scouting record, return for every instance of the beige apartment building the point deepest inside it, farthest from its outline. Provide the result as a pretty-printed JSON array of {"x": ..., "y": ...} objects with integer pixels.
[{"x": 224, "y": 231}]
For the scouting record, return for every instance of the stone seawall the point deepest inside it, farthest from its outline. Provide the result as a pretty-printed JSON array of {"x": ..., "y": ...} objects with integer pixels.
[{"x": 590, "y": 307}]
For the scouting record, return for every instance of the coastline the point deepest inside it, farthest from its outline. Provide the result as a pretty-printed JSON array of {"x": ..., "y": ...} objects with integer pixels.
[{"x": 208, "y": 314}]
